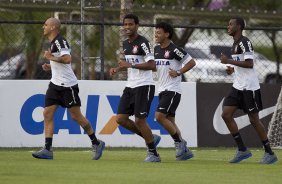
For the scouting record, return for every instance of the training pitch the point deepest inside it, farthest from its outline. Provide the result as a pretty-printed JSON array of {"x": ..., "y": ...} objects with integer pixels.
[{"x": 125, "y": 165}]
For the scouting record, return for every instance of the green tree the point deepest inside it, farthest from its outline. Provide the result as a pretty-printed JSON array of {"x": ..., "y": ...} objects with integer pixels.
[{"x": 33, "y": 40}]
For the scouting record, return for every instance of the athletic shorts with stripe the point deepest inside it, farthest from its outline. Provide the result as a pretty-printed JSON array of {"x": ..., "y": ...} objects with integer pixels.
[
  {"x": 168, "y": 102},
  {"x": 63, "y": 96},
  {"x": 136, "y": 101},
  {"x": 247, "y": 100}
]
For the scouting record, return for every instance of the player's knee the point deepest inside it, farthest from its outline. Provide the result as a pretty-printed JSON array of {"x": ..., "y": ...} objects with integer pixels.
[
  {"x": 159, "y": 117},
  {"x": 226, "y": 116},
  {"x": 254, "y": 119},
  {"x": 255, "y": 122},
  {"x": 120, "y": 120},
  {"x": 48, "y": 115}
]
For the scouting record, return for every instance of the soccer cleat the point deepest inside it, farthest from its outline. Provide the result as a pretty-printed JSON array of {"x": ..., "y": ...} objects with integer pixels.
[
  {"x": 180, "y": 148},
  {"x": 268, "y": 159},
  {"x": 157, "y": 139},
  {"x": 241, "y": 155},
  {"x": 186, "y": 155},
  {"x": 151, "y": 157},
  {"x": 43, "y": 154},
  {"x": 98, "y": 150},
  {"x": 182, "y": 152}
]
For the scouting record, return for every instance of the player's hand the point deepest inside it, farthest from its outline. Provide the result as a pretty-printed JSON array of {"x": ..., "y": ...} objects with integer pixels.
[
  {"x": 172, "y": 73},
  {"x": 223, "y": 59},
  {"x": 124, "y": 64},
  {"x": 47, "y": 54},
  {"x": 229, "y": 70},
  {"x": 113, "y": 71},
  {"x": 46, "y": 67}
]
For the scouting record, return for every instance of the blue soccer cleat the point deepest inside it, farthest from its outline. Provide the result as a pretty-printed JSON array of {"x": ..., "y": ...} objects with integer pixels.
[
  {"x": 151, "y": 157},
  {"x": 186, "y": 155},
  {"x": 182, "y": 152},
  {"x": 241, "y": 155},
  {"x": 43, "y": 154},
  {"x": 268, "y": 159},
  {"x": 98, "y": 150}
]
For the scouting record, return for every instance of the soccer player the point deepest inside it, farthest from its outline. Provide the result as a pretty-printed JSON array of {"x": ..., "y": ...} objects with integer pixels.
[
  {"x": 139, "y": 91},
  {"x": 245, "y": 93},
  {"x": 63, "y": 90},
  {"x": 171, "y": 62}
]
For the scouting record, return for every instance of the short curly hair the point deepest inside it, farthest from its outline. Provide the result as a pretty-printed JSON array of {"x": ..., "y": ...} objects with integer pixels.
[{"x": 240, "y": 21}]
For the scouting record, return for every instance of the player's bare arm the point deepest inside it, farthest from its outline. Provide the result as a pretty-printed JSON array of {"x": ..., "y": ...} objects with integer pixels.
[
  {"x": 248, "y": 63},
  {"x": 65, "y": 59},
  {"x": 188, "y": 66},
  {"x": 46, "y": 67},
  {"x": 113, "y": 71},
  {"x": 122, "y": 66},
  {"x": 229, "y": 70},
  {"x": 150, "y": 65}
]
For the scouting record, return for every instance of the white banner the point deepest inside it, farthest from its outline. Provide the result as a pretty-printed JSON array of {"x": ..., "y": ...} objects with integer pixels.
[{"x": 21, "y": 116}]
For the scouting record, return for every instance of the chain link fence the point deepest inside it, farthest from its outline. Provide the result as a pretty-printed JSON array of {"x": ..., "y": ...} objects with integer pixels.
[{"x": 203, "y": 35}]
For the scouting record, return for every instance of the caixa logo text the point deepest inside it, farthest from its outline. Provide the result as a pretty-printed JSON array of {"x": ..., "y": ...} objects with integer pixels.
[{"x": 31, "y": 126}]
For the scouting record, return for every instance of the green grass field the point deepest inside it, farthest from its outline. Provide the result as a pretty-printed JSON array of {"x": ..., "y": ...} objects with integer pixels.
[{"x": 210, "y": 165}]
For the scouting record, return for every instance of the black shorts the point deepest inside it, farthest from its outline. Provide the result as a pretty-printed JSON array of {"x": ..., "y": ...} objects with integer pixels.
[
  {"x": 136, "y": 101},
  {"x": 247, "y": 100},
  {"x": 63, "y": 96},
  {"x": 168, "y": 102}
]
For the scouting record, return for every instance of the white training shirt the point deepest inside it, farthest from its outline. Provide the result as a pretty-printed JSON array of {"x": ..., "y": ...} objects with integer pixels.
[
  {"x": 137, "y": 52},
  {"x": 62, "y": 74},
  {"x": 244, "y": 78},
  {"x": 171, "y": 57}
]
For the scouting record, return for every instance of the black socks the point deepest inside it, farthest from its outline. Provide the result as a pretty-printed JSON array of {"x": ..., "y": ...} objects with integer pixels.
[
  {"x": 152, "y": 148},
  {"x": 237, "y": 137},
  {"x": 266, "y": 146},
  {"x": 94, "y": 139},
  {"x": 48, "y": 143},
  {"x": 176, "y": 137}
]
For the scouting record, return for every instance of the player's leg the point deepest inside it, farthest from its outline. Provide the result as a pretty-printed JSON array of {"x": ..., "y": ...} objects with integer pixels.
[
  {"x": 124, "y": 121},
  {"x": 52, "y": 100},
  {"x": 97, "y": 145},
  {"x": 252, "y": 104},
  {"x": 144, "y": 129},
  {"x": 269, "y": 156},
  {"x": 143, "y": 97},
  {"x": 182, "y": 151},
  {"x": 172, "y": 120},
  {"x": 231, "y": 103},
  {"x": 77, "y": 116},
  {"x": 46, "y": 152},
  {"x": 242, "y": 152},
  {"x": 71, "y": 100},
  {"x": 257, "y": 124},
  {"x": 146, "y": 132},
  {"x": 125, "y": 109},
  {"x": 48, "y": 115},
  {"x": 227, "y": 116},
  {"x": 165, "y": 115},
  {"x": 168, "y": 103},
  {"x": 168, "y": 125}
]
